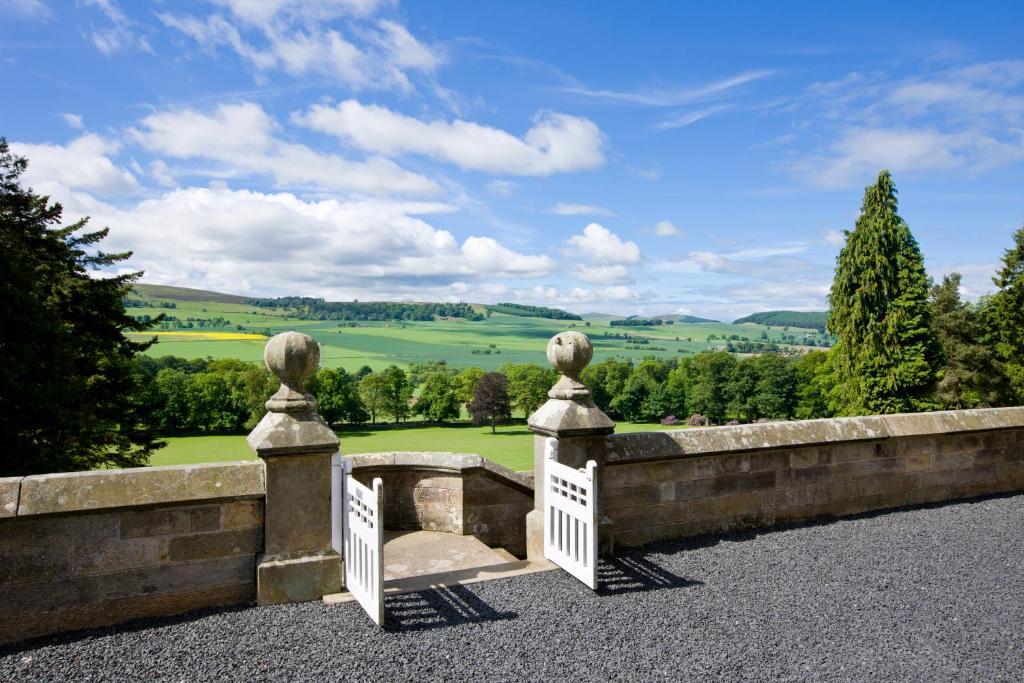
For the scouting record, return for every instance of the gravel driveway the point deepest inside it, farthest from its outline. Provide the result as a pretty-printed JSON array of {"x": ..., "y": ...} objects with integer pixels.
[{"x": 927, "y": 594}]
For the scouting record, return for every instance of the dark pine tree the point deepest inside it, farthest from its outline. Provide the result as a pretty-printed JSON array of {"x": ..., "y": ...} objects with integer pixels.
[
  {"x": 886, "y": 356},
  {"x": 68, "y": 384},
  {"x": 1004, "y": 320},
  {"x": 970, "y": 377}
]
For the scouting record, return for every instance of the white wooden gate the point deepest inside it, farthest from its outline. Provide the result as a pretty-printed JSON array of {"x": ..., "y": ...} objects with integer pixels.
[
  {"x": 570, "y": 516},
  {"x": 359, "y": 538}
]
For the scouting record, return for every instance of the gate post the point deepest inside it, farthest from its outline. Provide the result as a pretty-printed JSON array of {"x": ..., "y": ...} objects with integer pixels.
[
  {"x": 570, "y": 416},
  {"x": 295, "y": 445}
]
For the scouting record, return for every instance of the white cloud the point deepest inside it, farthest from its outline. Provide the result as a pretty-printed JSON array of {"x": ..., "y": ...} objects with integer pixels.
[
  {"x": 82, "y": 164},
  {"x": 241, "y": 137},
  {"x": 565, "y": 209},
  {"x": 73, "y": 120},
  {"x": 666, "y": 229},
  {"x": 555, "y": 143},
  {"x": 120, "y": 35},
  {"x": 969, "y": 118},
  {"x": 835, "y": 238},
  {"x": 29, "y": 9},
  {"x": 600, "y": 245},
  {"x": 860, "y": 153},
  {"x": 238, "y": 240},
  {"x": 603, "y": 275},
  {"x": 293, "y": 36},
  {"x": 262, "y": 12}
]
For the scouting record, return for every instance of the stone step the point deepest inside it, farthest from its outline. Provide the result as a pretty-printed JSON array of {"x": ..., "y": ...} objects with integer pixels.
[{"x": 417, "y": 560}]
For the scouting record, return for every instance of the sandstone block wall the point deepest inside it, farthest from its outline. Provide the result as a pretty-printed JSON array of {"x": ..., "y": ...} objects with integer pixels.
[
  {"x": 666, "y": 485},
  {"x": 88, "y": 549},
  {"x": 458, "y": 493}
]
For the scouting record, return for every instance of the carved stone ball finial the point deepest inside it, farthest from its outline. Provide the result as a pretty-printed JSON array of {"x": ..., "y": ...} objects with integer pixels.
[
  {"x": 569, "y": 352},
  {"x": 292, "y": 357}
]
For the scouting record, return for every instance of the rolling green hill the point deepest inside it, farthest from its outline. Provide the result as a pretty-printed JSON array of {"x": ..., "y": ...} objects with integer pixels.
[
  {"x": 814, "y": 320},
  {"x": 224, "y": 326}
]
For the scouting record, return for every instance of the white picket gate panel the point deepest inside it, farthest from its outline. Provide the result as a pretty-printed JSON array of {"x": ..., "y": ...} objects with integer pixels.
[
  {"x": 570, "y": 516},
  {"x": 360, "y": 538}
]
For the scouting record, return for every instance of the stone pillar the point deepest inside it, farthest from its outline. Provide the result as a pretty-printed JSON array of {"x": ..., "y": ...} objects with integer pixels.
[
  {"x": 570, "y": 416},
  {"x": 295, "y": 445}
]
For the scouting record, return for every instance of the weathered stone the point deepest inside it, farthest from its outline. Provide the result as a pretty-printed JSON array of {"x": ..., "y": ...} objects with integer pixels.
[
  {"x": 216, "y": 545},
  {"x": 292, "y": 433},
  {"x": 297, "y": 515},
  {"x": 169, "y": 521},
  {"x": 10, "y": 488},
  {"x": 283, "y": 579},
  {"x": 242, "y": 514},
  {"x": 104, "y": 489}
]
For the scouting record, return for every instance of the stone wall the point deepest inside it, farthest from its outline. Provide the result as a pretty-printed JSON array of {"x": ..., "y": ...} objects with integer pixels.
[
  {"x": 459, "y": 493},
  {"x": 89, "y": 549},
  {"x": 663, "y": 485}
]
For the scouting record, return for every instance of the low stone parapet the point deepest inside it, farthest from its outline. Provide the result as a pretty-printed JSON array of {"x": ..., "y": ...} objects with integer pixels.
[
  {"x": 87, "y": 549},
  {"x": 675, "y": 484}
]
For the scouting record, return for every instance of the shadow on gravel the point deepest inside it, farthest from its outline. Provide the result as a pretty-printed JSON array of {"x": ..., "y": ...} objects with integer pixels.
[
  {"x": 634, "y": 574},
  {"x": 438, "y": 608},
  {"x": 132, "y": 626}
]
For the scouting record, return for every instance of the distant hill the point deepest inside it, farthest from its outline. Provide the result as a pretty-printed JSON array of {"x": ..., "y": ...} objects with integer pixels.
[
  {"x": 533, "y": 311},
  {"x": 312, "y": 308},
  {"x": 637, "y": 321},
  {"x": 185, "y": 294},
  {"x": 812, "y": 320}
]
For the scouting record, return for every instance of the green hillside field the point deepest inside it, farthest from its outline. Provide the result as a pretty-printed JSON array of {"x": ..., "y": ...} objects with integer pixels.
[{"x": 487, "y": 344}]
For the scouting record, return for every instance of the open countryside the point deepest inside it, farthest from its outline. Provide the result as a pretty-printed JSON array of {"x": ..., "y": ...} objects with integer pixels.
[{"x": 223, "y": 328}]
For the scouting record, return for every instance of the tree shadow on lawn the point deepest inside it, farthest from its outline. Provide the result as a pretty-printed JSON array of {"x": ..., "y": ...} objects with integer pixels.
[{"x": 438, "y": 608}]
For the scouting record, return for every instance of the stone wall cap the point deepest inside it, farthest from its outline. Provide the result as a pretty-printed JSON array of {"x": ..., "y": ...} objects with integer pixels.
[
  {"x": 708, "y": 440},
  {"x": 10, "y": 490},
  {"x": 292, "y": 434},
  {"x": 565, "y": 417},
  {"x": 439, "y": 460},
  {"x": 105, "y": 489}
]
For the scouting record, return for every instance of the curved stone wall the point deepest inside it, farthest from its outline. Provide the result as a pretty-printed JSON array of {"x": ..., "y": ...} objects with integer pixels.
[{"x": 460, "y": 493}]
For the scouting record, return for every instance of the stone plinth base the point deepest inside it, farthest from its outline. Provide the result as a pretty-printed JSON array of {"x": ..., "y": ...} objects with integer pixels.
[
  {"x": 535, "y": 535},
  {"x": 282, "y": 580}
]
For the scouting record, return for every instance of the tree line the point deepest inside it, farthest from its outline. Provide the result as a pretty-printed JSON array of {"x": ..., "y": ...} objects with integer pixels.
[{"x": 312, "y": 308}]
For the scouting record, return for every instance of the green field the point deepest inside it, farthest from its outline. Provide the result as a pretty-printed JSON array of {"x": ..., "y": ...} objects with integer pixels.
[
  {"x": 512, "y": 446},
  {"x": 487, "y": 343}
]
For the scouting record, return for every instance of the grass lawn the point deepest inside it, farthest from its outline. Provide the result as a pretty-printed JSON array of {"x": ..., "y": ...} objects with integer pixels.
[{"x": 512, "y": 446}]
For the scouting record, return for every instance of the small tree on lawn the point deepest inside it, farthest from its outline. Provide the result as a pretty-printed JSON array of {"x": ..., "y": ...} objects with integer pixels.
[
  {"x": 371, "y": 391},
  {"x": 438, "y": 400},
  {"x": 491, "y": 404}
]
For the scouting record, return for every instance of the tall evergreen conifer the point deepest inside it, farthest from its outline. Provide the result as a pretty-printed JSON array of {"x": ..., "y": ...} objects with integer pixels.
[
  {"x": 886, "y": 357},
  {"x": 1004, "y": 319}
]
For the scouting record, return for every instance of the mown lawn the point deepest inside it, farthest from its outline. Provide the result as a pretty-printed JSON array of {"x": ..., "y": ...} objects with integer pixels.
[{"x": 511, "y": 446}]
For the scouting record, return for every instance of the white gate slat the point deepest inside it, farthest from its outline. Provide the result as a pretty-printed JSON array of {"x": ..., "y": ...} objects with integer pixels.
[
  {"x": 570, "y": 516},
  {"x": 362, "y": 512}
]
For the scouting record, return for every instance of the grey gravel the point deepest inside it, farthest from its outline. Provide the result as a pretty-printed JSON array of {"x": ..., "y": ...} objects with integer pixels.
[{"x": 925, "y": 594}]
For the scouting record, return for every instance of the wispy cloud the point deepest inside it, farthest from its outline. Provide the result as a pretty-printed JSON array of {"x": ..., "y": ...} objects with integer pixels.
[
  {"x": 688, "y": 118},
  {"x": 969, "y": 118},
  {"x": 564, "y": 209},
  {"x": 660, "y": 97}
]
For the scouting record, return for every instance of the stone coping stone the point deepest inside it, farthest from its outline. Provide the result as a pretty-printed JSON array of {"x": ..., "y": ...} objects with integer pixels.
[
  {"x": 769, "y": 435},
  {"x": 436, "y": 460},
  {"x": 10, "y": 488},
  {"x": 104, "y": 489}
]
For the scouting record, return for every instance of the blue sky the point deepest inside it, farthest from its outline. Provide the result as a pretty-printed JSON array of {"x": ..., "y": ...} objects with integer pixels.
[{"x": 639, "y": 158}]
